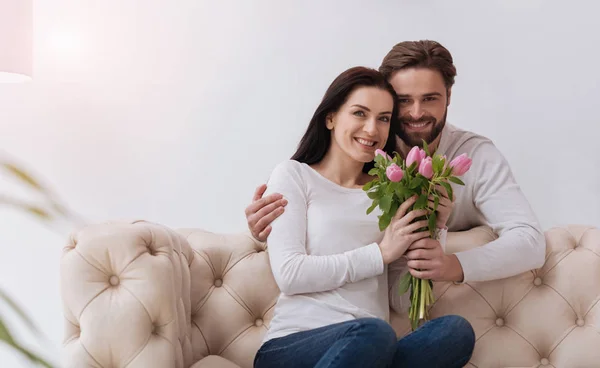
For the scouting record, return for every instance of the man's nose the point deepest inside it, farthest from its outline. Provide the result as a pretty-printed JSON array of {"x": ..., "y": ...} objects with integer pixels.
[{"x": 416, "y": 111}]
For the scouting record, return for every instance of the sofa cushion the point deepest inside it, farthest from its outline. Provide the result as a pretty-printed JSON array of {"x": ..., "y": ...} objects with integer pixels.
[{"x": 215, "y": 361}]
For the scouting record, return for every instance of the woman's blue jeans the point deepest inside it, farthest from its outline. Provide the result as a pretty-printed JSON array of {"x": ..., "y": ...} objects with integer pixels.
[{"x": 370, "y": 342}]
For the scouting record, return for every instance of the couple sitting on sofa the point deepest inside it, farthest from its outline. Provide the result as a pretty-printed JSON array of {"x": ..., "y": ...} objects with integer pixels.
[{"x": 336, "y": 270}]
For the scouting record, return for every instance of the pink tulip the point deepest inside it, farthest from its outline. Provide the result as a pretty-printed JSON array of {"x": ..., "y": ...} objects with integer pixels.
[
  {"x": 460, "y": 165},
  {"x": 416, "y": 154},
  {"x": 426, "y": 167},
  {"x": 394, "y": 173},
  {"x": 383, "y": 154}
]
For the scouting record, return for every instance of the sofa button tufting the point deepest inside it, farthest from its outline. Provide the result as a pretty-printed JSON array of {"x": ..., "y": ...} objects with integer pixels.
[
  {"x": 544, "y": 361},
  {"x": 218, "y": 282},
  {"x": 580, "y": 322},
  {"x": 537, "y": 281},
  {"x": 114, "y": 280},
  {"x": 258, "y": 322},
  {"x": 499, "y": 322}
]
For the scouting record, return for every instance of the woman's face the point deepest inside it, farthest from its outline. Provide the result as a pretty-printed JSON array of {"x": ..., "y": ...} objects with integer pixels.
[{"x": 362, "y": 124}]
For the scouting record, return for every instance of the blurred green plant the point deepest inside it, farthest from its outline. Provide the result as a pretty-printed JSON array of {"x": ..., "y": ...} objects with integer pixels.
[{"x": 49, "y": 210}]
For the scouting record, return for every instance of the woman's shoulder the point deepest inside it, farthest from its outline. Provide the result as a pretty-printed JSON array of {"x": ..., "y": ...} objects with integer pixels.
[
  {"x": 290, "y": 171},
  {"x": 289, "y": 167}
]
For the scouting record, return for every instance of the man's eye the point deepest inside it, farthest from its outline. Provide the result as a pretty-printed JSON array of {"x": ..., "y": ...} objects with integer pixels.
[
  {"x": 430, "y": 99},
  {"x": 403, "y": 100}
]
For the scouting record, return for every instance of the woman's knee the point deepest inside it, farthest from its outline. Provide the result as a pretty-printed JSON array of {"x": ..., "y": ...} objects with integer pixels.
[
  {"x": 378, "y": 329},
  {"x": 460, "y": 331}
]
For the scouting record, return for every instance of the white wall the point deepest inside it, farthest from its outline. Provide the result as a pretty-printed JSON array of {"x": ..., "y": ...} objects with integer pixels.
[{"x": 164, "y": 110}]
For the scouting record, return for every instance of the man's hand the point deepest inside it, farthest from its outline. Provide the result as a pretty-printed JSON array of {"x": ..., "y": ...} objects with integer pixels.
[
  {"x": 263, "y": 211},
  {"x": 445, "y": 206},
  {"x": 427, "y": 260}
]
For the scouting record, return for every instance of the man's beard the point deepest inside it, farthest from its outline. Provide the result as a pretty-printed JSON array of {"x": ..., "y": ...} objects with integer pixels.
[{"x": 416, "y": 139}]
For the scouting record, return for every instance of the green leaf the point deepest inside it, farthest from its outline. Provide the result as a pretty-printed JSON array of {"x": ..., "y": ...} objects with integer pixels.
[
  {"x": 421, "y": 202},
  {"x": 436, "y": 202},
  {"x": 404, "y": 283},
  {"x": 390, "y": 188},
  {"x": 394, "y": 208},
  {"x": 384, "y": 221},
  {"x": 369, "y": 185},
  {"x": 39, "y": 212},
  {"x": 456, "y": 180},
  {"x": 385, "y": 203},
  {"x": 448, "y": 171},
  {"x": 22, "y": 175},
  {"x": 6, "y": 336},
  {"x": 432, "y": 220},
  {"x": 415, "y": 183},
  {"x": 374, "y": 171},
  {"x": 448, "y": 189},
  {"x": 15, "y": 307},
  {"x": 373, "y": 194},
  {"x": 438, "y": 164},
  {"x": 426, "y": 148},
  {"x": 373, "y": 206}
]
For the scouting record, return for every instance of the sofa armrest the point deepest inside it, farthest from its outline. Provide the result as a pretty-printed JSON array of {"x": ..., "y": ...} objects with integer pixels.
[{"x": 125, "y": 288}]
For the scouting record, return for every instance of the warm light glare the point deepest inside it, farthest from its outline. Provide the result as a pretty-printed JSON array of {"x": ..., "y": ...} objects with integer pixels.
[
  {"x": 13, "y": 78},
  {"x": 65, "y": 43}
]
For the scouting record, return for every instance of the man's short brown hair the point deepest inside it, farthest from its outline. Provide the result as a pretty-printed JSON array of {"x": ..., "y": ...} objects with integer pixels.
[{"x": 420, "y": 54}]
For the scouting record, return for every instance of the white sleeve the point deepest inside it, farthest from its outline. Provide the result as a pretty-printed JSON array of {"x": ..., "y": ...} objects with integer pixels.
[
  {"x": 294, "y": 270},
  {"x": 401, "y": 302},
  {"x": 521, "y": 245}
]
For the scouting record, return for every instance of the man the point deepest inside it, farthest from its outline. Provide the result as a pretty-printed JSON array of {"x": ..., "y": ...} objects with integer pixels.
[{"x": 422, "y": 73}]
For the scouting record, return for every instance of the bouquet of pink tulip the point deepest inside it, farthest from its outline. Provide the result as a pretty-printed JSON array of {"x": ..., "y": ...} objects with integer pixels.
[{"x": 397, "y": 180}]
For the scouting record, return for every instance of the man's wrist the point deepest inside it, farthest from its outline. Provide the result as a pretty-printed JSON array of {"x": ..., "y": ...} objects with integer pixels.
[{"x": 455, "y": 270}]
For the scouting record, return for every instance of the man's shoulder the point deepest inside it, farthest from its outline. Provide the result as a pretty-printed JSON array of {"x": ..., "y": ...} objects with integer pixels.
[{"x": 460, "y": 140}]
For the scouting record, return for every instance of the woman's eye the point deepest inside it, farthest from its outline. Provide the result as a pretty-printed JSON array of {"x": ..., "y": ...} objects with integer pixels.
[
  {"x": 385, "y": 118},
  {"x": 359, "y": 113}
]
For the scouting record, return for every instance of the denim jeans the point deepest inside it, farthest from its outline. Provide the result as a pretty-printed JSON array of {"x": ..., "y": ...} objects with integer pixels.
[{"x": 370, "y": 342}]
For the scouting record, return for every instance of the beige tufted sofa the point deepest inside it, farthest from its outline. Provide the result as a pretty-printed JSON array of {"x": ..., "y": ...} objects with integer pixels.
[{"x": 138, "y": 294}]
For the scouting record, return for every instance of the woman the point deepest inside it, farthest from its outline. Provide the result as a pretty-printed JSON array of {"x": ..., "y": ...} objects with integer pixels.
[{"x": 329, "y": 258}]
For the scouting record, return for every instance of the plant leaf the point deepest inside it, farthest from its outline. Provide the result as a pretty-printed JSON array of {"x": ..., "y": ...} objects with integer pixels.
[
  {"x": 432, "y": 220},
  {"x": 415, "y": 183},
  {"x": 15, "y": 307},
  {"x": 39, "y": 212},
  {"x": 426, "y": 148},
  {"x": 404, "y": 283},
  {"x": 384, "y": 221},
  {"x": 456, "y": 180},
  {"x": 373, "y": 194},
  {"x": 448, "y": 189},
  {"x": 373, "y": 206},
  {"x": 421, "y": 202},
  {"x": 368, "y": 186},
  {"x": 22, "y": 175},
  {"x": 438, "y": 164},
  {"x": 385, "y": 203},
  {"x": 6, "y": 336}
]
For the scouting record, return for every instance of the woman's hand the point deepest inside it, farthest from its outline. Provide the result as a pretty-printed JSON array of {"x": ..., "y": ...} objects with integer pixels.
[
  {"x": 400, "y": 233},
  {"x": 445, "y": 206}
]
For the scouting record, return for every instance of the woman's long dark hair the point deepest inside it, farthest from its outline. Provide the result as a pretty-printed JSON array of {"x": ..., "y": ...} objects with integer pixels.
[{"x": 317, "y": 138}]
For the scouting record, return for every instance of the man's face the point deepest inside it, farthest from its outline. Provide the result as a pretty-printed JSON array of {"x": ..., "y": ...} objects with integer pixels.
[{"x": 423, "y": 102}]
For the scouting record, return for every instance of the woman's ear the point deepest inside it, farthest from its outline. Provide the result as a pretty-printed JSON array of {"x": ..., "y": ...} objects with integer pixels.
[{"x": 329, "y": 122}]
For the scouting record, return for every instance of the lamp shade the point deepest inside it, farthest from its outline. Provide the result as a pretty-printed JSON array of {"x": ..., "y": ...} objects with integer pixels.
[{"x": 16, "y": 40}]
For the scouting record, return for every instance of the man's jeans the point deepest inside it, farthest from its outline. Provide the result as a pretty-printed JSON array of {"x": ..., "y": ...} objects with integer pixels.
[{"x": 370, "y": 343}]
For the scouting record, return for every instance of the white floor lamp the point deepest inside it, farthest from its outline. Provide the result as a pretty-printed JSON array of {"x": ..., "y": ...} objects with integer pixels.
[{"x": 16, "y": 41}]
